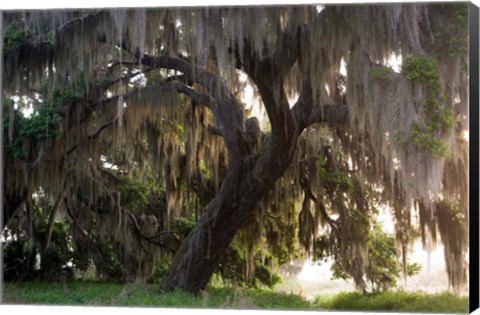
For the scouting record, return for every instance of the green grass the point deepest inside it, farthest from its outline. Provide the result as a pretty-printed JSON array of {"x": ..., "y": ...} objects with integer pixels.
[
  {"x": 400, "y": 301},
  {"x": 99, "y": 293}
]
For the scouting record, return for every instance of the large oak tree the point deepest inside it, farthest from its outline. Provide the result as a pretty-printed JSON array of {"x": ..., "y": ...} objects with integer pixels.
[{"x": 342, "y": 131}]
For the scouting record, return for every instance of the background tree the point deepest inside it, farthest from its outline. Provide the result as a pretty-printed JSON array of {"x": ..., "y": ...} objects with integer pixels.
[{"x": 138, "y": 121}]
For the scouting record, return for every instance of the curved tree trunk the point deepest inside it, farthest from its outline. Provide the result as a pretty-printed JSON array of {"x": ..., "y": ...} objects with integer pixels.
[
  {"x": 249, "y": 177},
  {"x": 242, "y": 189}
]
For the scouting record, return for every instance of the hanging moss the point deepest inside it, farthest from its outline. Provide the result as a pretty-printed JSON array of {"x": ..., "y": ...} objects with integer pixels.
[
  {"x": 425, "y": 138},
  {"x": 427, "y": 134},
  {"x": 131, "y": 115},
  {"x": 334, "y": 179},
  {"x": 13, "y": 34},
  {"x": 43, "y": 124},
  {"x": 453, "y": 232},
  {"x": 452, "y": 41},
  {"x": 134, "y": 195}
]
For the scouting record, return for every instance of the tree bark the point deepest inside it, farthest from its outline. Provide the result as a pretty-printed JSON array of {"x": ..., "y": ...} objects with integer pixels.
[
  {"x": 248, "y": 177},
  {"x": 242, "y": 189}
]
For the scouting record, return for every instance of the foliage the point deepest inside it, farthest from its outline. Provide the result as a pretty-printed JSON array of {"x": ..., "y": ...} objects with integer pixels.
[
  {"x": 56, "y": 261},
  {"x": 426, "y": 133},
  {"x": 13, "y": 34},
  {"x": 362, "y": 240},
  {"x": 413, "y": 269},
  {"x": 15, "y": 147},
  {"x": 26, "y": 259},
  {"x": 182, "y": 226},
  {"x": 162, "y": 102},
  {"x": 384, "y": 268},
  {"x": 160, "y": 271},
  {"x": 421, "y": 70},
  {"x": 134, "y": 194},
  {"x": 379, "y": 72},
  {"x": 399, "y": 139},
  {"x": 19, "y": 259},
  {"x": 265, "y": 275},
  {"x": 232, "y": 270},
  {"x": 453, "y": 40},
  {"x": 335, "y": 179},
  {"x": 424, "y": 137},
  {"x": 338, "y": 271},
  {"x": 43, "y": 124}
]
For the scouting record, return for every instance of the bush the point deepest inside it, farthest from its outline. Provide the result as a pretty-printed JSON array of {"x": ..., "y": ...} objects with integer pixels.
[
  {"x": 25, "y": 259},
  {"x": 19, "y": 260}
]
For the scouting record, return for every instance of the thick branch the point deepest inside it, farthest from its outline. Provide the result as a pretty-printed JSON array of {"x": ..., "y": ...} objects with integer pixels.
[
  {"x": 194, "y": 95},
  {"x": 226, "y": 109},
  {"x": 288, "y": 50},
  {"x": 330, "y": 114},
  {"x": 310, "y": 195},
  {"x": 165, "y": 236},
  {"x": 307, "y": 112}
]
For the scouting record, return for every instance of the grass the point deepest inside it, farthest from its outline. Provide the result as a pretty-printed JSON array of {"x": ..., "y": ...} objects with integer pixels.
[
  {"x": 399, "y": 301},
  {"x": 99, "y": 293}
]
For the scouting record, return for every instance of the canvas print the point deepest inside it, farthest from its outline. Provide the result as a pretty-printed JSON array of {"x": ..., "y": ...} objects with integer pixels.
[{"x": 293, "y": 157}]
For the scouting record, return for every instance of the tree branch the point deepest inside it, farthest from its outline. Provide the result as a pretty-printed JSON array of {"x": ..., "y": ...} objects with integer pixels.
[
  {"x": 167, "y": 235},
  {"x": 323, "y": 211},
  {"x": 307, "y": 113},
  {"x": 332, "y": 114},
  {"x": 195, "y": 96},
  {"x": 84, "y": 234},
  {"x": 226, "y": 109}
]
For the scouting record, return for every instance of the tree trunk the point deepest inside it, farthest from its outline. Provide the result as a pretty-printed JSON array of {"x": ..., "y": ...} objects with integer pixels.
[{"x": 242, "y": 189}]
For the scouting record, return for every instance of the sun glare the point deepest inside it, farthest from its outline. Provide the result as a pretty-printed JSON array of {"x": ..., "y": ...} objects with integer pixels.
[{"x": 395, "y": 62}]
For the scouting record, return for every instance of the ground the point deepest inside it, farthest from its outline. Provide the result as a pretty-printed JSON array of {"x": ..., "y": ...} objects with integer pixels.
[{"x": 98, "y": 293}]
